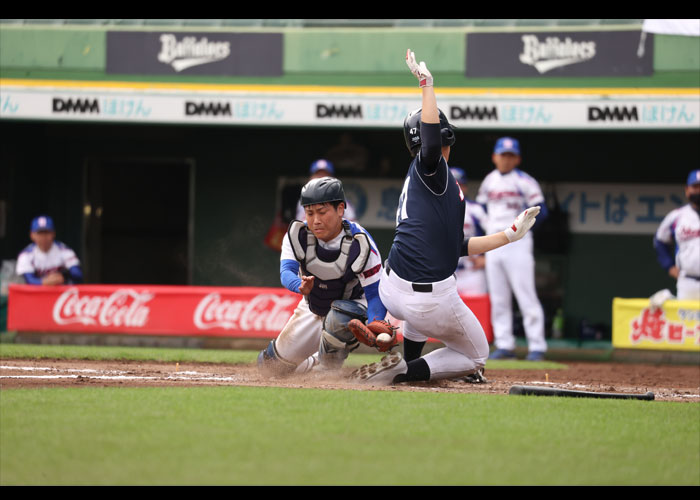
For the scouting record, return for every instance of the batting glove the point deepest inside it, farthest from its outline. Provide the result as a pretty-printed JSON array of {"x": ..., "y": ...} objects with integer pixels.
[
  {"x": 425, "y": 79},
  {"x": 522, "y": 224}
]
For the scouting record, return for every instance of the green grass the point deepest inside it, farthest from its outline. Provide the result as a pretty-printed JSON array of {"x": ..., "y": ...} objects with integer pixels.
[
  {"x": 276, "y": 436},
  {"x": 39, "y": 351},
  {"x": 279, "y": 436}
]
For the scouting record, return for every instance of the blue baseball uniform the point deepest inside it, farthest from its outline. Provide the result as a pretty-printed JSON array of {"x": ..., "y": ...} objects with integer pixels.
[{"x": 418, "y": 285}]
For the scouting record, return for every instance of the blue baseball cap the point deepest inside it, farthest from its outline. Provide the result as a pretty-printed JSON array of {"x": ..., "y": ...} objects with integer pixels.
[
  {"x": 42, "y": 223},
  {"x": 459, "y": 174},
  {"x": 322, "y": 165},
  {"x": 507, "y": 145},
  {"x": 694, "y": 177}
]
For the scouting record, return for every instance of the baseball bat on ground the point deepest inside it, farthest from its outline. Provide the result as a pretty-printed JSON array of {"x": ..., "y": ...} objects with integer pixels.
[{"x": 524, "y": 390}]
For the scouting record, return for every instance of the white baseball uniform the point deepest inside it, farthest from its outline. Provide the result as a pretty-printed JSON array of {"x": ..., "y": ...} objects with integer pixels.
[
  {"x": 472, "y": 281},
  {"x": 33, "y": 261},
  {"x": 510, "y": 270},
  {"x": 682, "y": 227},
  {"x": 300, "y": 337}
]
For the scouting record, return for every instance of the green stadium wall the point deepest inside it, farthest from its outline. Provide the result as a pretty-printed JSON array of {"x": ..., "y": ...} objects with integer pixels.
[{"x": 326, "y": 54}]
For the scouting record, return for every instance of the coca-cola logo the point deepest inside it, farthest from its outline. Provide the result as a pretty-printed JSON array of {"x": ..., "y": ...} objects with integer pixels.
[
  {"x": 266, "y": 312},
  {"x": 124, "y": 307}
]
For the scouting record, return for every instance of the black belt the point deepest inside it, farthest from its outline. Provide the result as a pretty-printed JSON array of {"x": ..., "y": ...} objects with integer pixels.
[
  {"x": 417, "y": 287},
  {"x": 692, "y": 277}
]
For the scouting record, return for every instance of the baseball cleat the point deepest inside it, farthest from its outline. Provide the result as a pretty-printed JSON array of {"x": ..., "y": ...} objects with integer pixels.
[
  {"x": 535, "y": 356},
  {"x": 383, "y": 372},
  {"x": 502, "y": 354},
  {"x": 475, "y": 378}
]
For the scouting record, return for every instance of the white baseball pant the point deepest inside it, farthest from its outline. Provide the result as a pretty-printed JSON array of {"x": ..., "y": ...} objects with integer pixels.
[
  {"x": 687, "y": 288},
  {"x": 510, "y": 270},
  {"x": 442, "y": 315},
  {"x": 301, "y": 336}
]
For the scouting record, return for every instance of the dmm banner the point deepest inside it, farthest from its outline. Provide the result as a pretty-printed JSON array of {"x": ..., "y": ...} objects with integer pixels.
[
  {"x": 245, "y": 312},
  {"x": 561, "y": 53},
  {"x": 134, "y": 102},
  {"x": 191, "y": 53},
  {"x": 674, "y": 326}
]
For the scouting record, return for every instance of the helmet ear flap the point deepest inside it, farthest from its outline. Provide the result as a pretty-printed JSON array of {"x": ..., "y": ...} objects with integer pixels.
[
  {"x": 448, "y": 136},
  {"x": 446, "y": 130}
]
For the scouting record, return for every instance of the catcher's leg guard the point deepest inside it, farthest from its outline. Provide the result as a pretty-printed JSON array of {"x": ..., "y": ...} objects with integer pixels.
[
  {"x": 270, "y": 364},
  {"x": 336, "y": 340}
]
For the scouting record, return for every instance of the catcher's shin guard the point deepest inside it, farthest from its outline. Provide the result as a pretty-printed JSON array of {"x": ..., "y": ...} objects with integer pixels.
[
  {"x": 336, "y": 340},
  {"x": 270, "y": 364},
  {"x": 332, "y": 352}
]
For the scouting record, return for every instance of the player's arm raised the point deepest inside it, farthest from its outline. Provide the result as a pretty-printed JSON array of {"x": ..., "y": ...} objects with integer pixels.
[
  {"x": 522, "y": 224},
  {"x": 430, "y": 132},
  {"x": 429, "y": 109}
]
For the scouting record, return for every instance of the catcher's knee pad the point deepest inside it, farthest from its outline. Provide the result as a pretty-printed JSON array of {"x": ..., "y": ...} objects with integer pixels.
[
  {"x": 270, "y": 364},
  {"x": 337, "y": 341}
]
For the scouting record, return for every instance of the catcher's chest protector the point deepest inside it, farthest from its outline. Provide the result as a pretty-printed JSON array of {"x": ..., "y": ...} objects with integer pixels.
[{"x": 335, "y": 270}]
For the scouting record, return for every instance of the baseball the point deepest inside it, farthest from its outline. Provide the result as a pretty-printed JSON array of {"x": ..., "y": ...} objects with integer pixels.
[{"x": 383, "y": 338}]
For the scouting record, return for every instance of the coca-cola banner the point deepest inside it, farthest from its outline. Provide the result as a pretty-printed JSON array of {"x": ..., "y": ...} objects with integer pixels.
[
  {"x": 152, "y": 310},
  {"x": 244, "y": 312},
  {"x": 192, "y": 53},
  {"x": 561, "y": 53}
]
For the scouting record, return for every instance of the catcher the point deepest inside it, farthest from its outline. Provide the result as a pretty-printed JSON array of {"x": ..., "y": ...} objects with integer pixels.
[{"x": 335, "y": 265}]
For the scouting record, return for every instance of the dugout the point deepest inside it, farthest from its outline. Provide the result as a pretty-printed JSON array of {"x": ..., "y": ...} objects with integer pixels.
[{"x": 192, "y": 204}]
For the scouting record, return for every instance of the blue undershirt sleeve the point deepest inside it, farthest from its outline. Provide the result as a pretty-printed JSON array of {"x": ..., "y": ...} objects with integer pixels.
[
  {"x": 289, "y": 275},
  {"x": 375, "y": 306},
  {"x": 32, "y": 279},
  {"x": 664, "y": 254},
  {"x": 75, "y": 274}
]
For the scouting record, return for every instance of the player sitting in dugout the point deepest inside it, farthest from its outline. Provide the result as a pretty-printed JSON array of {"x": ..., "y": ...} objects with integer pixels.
[{"x": 47, "y": 261}]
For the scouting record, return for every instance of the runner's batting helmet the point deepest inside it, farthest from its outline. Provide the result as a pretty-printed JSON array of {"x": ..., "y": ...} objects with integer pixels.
[{"x": 411, "y": 131}]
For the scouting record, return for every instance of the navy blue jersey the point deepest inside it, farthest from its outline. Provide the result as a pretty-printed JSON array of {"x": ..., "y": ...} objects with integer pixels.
[{"x": 429, "y": 221}]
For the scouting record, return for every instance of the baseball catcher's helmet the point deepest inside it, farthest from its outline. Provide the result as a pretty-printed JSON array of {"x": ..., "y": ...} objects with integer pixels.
[
  {"x": 411, "y": 131},
  {"x": 322, "y": 190}
]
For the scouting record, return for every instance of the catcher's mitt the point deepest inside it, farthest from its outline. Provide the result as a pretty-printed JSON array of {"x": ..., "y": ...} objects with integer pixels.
[{"x": 367, "y": 334}]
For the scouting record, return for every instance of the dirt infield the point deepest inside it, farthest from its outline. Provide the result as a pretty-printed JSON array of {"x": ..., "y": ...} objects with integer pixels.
[{"x": 667, "y": 382}]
